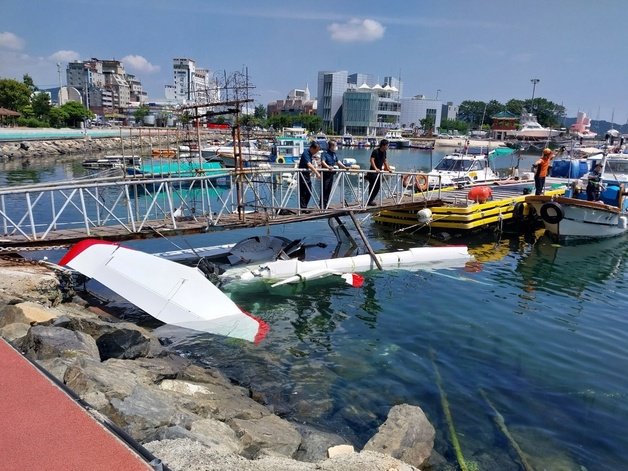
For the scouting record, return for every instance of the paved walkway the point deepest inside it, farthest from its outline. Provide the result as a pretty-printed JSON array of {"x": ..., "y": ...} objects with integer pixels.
[{"x": 42, "y": 428}]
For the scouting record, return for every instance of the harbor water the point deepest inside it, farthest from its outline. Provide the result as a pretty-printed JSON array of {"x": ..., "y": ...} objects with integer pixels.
[{"x": 527, "y": 346}]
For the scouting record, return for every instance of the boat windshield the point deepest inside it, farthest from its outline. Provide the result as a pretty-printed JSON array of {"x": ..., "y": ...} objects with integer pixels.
[
  {"x": 619, "y": 167},
  {"x": 454, "y": 165}
]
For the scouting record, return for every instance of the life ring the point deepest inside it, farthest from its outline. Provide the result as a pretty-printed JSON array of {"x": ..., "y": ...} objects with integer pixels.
[
  {"x": 552, "y": 213},
  {"x": 280, "y": 160},
  {"x": 421, "y": 181}
]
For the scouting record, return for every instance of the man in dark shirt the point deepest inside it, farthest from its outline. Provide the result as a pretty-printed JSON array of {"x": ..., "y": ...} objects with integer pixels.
[
  {"x": 305, "y": 182},
  {"x": 379, "y": 164},
  {"x": 329, "y": 162}
]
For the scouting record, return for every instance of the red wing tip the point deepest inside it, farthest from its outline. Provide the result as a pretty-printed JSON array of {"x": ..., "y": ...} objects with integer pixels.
[
  {"x": 80, "y": 247},
  {"x": 262, "y": 330}
]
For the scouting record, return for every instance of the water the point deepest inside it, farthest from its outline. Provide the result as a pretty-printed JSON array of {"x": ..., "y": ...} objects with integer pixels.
[{"x": 534, "y": 331}]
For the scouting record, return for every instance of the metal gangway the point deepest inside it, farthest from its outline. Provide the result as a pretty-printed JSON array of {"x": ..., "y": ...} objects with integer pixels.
[{"x": 123, "y": 207}]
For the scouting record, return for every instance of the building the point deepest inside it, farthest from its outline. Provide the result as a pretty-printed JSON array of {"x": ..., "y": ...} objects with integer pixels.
[
  {"x": 418, "y": 108},
  {"x": 191, "y": 84},
  {"x": 357, "y": 104},
  {"x": 297, "y": 102},
  {"x": 503, "y": 123},
  {"x": 104, "y": 85}
]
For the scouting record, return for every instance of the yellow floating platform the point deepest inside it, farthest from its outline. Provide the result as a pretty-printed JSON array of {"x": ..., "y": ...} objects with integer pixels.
[{"x": 458, "y": 212}]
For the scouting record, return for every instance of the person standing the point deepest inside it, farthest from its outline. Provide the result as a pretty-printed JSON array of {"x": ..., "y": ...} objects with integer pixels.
[
  {"x": 305, "y": 182},
  {"x": 329, "y": 162},
  {"x": 541, "y": 168},
  {"x": 594, "y": 184},
  {"x": 379, "y": 164}
]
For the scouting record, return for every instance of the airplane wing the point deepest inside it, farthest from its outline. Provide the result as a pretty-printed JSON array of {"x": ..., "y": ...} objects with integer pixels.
[{"x": 171, "y": 292}]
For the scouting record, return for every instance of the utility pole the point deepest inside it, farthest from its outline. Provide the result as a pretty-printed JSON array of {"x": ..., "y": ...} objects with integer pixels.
[{"x": 534, "y": 82}]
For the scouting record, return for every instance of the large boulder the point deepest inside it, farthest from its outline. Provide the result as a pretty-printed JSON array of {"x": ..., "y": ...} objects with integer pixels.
[
  {"x": 268, "y": 435},
  {"x": 27, "y": 313},
  {"x": 45, "y": 342},
  {"x": 29, "y": 282},
  {"x": 406, "y": 434}
]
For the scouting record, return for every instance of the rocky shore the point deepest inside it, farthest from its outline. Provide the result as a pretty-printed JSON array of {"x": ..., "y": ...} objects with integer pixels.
[{"x": 190, "y": 417}]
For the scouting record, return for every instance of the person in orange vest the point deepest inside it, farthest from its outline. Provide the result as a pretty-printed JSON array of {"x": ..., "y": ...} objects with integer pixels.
[{"x": 541, "y": 168}]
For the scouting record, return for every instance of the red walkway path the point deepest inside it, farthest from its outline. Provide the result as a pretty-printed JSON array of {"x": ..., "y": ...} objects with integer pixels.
[{"x": 41, "y": 427}]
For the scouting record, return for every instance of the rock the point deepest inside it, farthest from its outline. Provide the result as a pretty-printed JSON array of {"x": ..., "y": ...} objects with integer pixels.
[
  {"x": 339, "y": 450},
  {"x": 44, "y": 342},
  {"x": 27, "y": 313},
  {"x": 406, "y": 434},
  {"x": 315, "y": 443},
  {"x": 269, "y": 434},
  {"x": 29, "y": 282},
  {"x": 15, "y": 331},
  {"x": 216, "y": 435},
  {"x": 124, "y": 343}
]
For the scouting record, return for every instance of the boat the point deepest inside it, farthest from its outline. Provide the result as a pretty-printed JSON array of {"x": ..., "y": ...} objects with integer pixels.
[
  {"x": 572, "y": 217},
  {"x": 113, "y": 161},
  {"x": 177, "y": 168},
  {"x": 396, "y": 139},
  {"x": 531, "y": 129},
  {"x": 346, "y": 140},
  {"x": 160, "y": 152},
  {"x": 227, "y": 153},
  {"x": 567, "y": 218},
  {"x": 289, "y": 147},
  {"x": 171, "y": 292},
  {"x": 461, "y": 169}
]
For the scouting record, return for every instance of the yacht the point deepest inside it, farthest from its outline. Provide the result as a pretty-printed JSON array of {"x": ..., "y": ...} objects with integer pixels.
[
  {"x": 251, "y": 153},
  {"x": 396, "y": 140},
  {"x": 531, "y": 129},
  {"x": 461, "y": 169}
]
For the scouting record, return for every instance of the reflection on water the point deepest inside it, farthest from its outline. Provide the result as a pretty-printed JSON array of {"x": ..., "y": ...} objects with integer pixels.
[{"x": 531, "y": 344}]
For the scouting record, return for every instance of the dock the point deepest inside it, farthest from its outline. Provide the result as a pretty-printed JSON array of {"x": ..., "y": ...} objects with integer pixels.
[
  {"x": 454, "y": 210},
  {"x": 43, "y": 427}
]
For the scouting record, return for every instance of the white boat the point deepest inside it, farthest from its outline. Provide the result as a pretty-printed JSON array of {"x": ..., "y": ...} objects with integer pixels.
[
  {"x": 169, "y": 291},
  {"x": 113, "y": 161},
  {"x": 531, "y": 129},
  {"x": 461, "y": 169},
  {"x": 396, "y": 139},
  {"x": 227, "y": 153},
  {"x": 288, "y": 149},
  {"x": 572, "y": 218}
]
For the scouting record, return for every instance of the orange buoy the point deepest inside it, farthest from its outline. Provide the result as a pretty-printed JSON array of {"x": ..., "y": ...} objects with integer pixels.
[{"x": 480, "y": 194}]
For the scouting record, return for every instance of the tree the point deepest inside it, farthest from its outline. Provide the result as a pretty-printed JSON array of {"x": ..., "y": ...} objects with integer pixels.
[
  {"x": 427, "y": 124},
  {"x": 28, "y": 81},
  {"x": 40, "y": 102},
  {"x": 57, "y": 117},
  {"x": 76, "y": 113},
  {"x": 140, "y": 113},
  {"x": 260, "y": 112},
  {"x": 471, "y": 111},
  {"x": 14, "y": 95},
  {"x": 454, "y": 125}
]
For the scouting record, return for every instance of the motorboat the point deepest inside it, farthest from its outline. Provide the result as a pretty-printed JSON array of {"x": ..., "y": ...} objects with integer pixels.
[
  {"x": 461, "y": 169},
  {"x": 227, "y": 152},
  {"x": 572, "y": 216},
  {"x": 157, "y": 168},
  {"x": 396, "y": 139},
  {"x": 288, "y": 148},
  {"x": 531, "y": 129},
  {"x": 113, "y": 161}
]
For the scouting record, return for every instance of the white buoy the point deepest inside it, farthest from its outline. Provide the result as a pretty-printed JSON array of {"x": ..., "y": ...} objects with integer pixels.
[{"x": 425, "y": 216}]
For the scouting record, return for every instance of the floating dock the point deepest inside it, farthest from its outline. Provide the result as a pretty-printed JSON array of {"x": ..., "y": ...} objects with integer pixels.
[{"x": 454, "y": 210}]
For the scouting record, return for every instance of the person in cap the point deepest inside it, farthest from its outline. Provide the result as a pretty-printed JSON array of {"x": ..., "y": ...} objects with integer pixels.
[
  {"x": 329, "y": 163},
  {"x": 541, "y": 169},
  {"x": 594, "y": 183},
  {"x": 379, "y": 164},
  {"x": 306, "y": 164}
]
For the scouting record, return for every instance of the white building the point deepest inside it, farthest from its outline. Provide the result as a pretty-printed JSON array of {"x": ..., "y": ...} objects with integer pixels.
[{"x": 191, "y": 84}]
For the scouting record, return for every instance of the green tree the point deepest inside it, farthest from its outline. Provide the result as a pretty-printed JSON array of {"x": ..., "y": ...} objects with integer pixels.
[
  {"x": 57, "y": 117},
  {"x": 40, "y": 102},
  {"x": 454, "y": 125},
  {"x": 140, "y": 113},
  {"x": 14, "y": 95},
  {"x": 260, "y": 112},
  {"x": 471, "y": 111},
  {"x": 76, "y": 113},
  {"x": 427, "y": 124},
  {"x": 28, "y": 81}
]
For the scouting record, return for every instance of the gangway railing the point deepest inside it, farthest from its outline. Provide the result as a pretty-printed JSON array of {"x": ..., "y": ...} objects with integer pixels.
[{"x": 80, "y": 208}]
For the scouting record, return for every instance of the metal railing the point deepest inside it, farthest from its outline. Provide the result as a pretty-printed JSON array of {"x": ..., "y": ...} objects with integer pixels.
[{"x": 133, "y": 205}]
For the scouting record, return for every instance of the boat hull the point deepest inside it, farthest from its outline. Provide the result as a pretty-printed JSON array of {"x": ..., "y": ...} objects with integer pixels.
[{"x": 573, "y": 219}]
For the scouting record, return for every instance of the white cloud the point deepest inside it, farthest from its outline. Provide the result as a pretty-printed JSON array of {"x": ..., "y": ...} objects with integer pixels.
[
  {"x": 11, "y": 41},
  {"x": 356, "y": 30},
  {"x": 139, "y": 64},
  {"x": 64, "y": 56}
]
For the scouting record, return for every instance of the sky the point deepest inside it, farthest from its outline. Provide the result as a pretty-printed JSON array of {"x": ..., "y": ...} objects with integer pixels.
[{"x": 454, "y": 49}]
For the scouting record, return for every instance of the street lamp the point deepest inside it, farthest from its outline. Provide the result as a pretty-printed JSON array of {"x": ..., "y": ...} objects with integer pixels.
[
  {"x": 534, "y": 82},
  {"x": 437, "y": 92}
]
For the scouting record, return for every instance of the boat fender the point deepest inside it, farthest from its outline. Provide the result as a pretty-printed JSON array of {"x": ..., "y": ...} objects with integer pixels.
[
  {"x": 622, "y": 223},
  {"x": 280, "y": 160},
  {"x": 424, "y": 216},
  {"x": 518, "y": 212},
  {"x": 421, "y": 181},
  {"x": 552, "y": 212}
]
